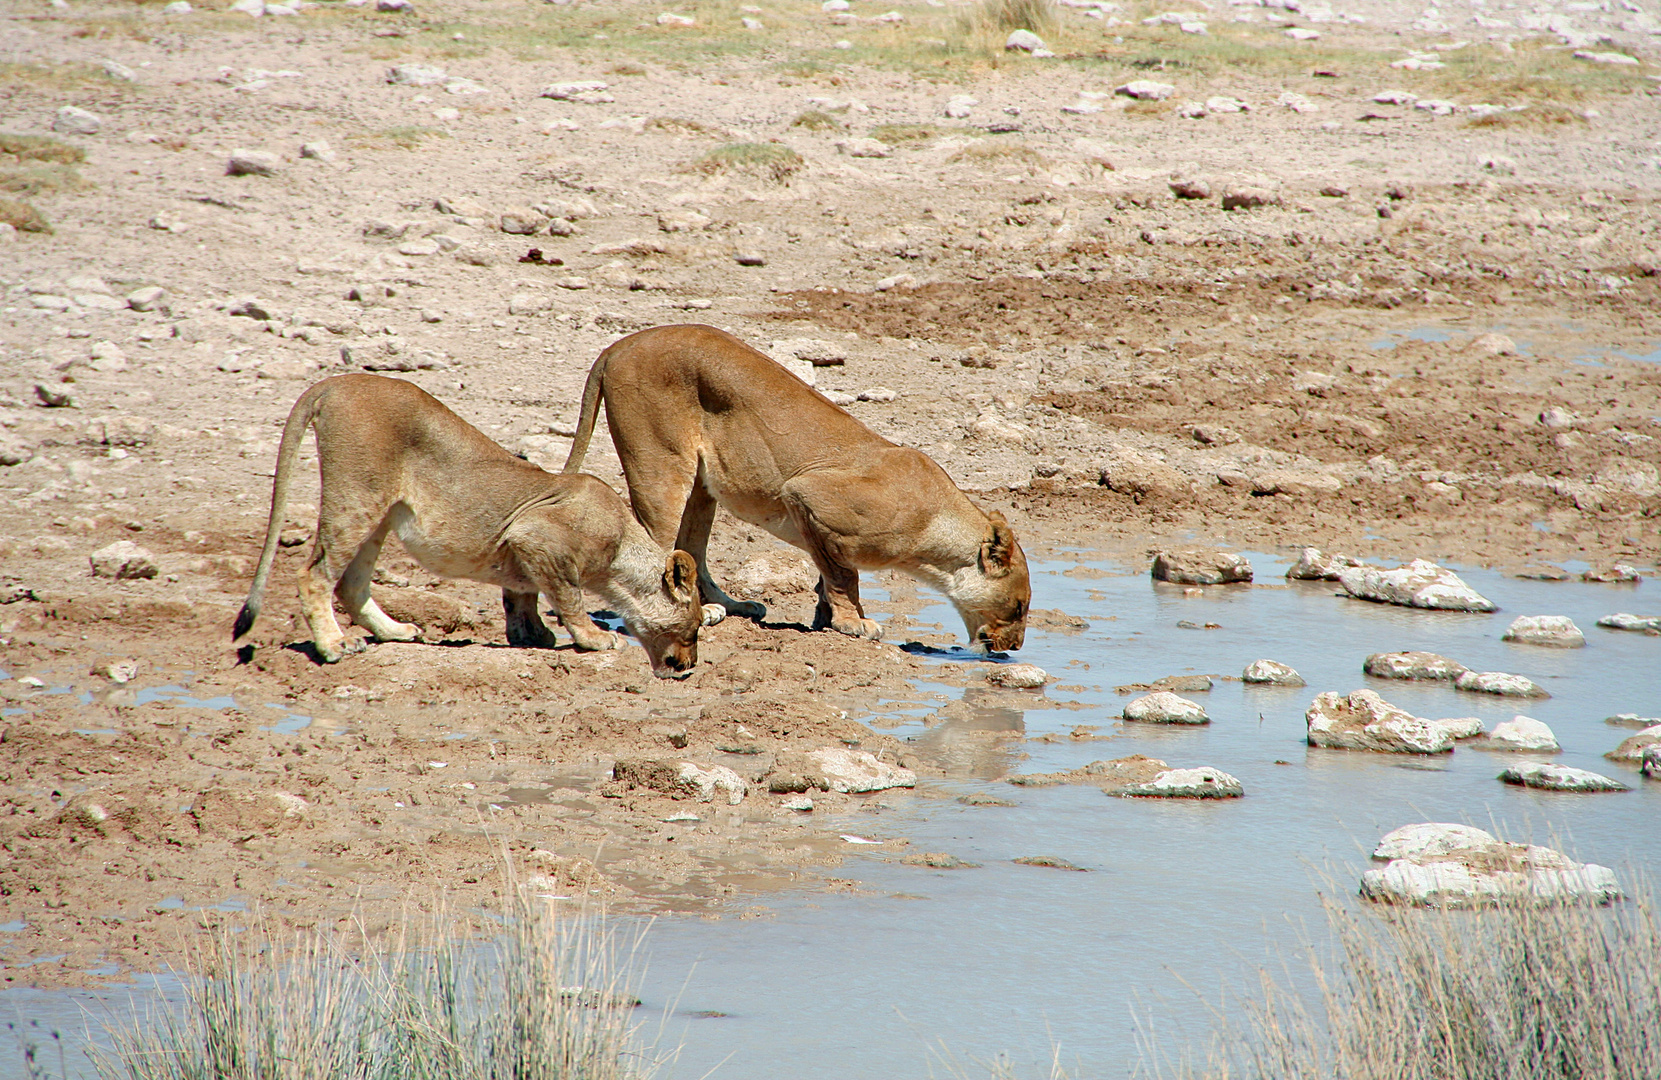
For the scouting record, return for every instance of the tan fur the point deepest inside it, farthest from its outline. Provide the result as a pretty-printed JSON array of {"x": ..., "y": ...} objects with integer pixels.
[
  {"x": 394, "y": 459},
  {"x": 700, "y": 418}
]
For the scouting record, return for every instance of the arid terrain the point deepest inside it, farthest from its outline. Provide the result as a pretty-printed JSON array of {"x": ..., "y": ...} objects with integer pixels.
[{"x": 1274, "y": 304}]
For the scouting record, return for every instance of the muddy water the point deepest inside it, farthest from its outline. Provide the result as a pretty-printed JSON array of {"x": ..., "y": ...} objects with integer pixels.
[
  {"x": 1181, "y": 900},
  {"x": 1180, "y": 903}
]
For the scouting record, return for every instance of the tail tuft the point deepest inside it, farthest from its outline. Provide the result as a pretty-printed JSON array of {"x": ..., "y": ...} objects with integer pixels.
[{"x": 244, "y": 621}]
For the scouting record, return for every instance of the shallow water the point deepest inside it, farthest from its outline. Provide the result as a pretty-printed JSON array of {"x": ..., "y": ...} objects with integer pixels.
[{"x": 1183, "y": 900}]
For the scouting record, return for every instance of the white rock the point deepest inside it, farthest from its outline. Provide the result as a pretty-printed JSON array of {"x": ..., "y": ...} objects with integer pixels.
[
  {"x": 1023, "y": 40},
  {"x": 960, "y": 106},
  {"x": 834, "y": 6},
  {"x": 1523, "y": 733},
  {"x": 1395, "y": 97},
  {"x": 1164, "y": 707},
  {"x": 1315, "y": 565},
  {"x": 1412, "y": 665},
  {"x": 802, "y": 369},
  {"x": 1202, "y": 783},
  {"x": 1623, "y": 621},
  {"x": 1436, "y": 106},
  {"x": 1605, "y": 57},
  {"x": 669, "y": 18},
  {"x": 1450, "y": 883},
  {"x": 318, "y": 150},
  {"x": 1145, "y": 90},
  {"x": 458, "y": 85},
  {"x": 1272, "y": 673},
  {"x": 864, "y": 148},
  {"x": 178, "y": 7},
  {"x": 881, "y": 395},
  {"x": 416, "y": 75},
  {"x": 1492, "y": 345},
  {"x": 256, "y": 8},
  {"x": 123, "y": 560},
  {"x": 1198, "y": 567},
  {"x": 1500, "y": 683},
  {"x": 1431, "y": 840},
  {"x": 1558, "y": 631},
  {"x": 1299, "y": 33},
  {"x": 1018, "y": 676},
  {"x": 1223, "y": 103},
  {"x": 1365, "y": 721},
  {"x": 1633, "y": 747},
  {"x": 801, "y": 803},
  {"x": 1559, "y": 778},
  {"x": 1651, "y": 766},
  {"x": 120, "y": 672},
  {"x": 588, "y": 92},
  {"x": 1421, "y": 584},
  {"x": 1248, "y": 197},
  {"x": 251, "y": 163},
  {"x": 73, "y": 121},
  {"x": 1298, "y": 103},
  {"x": 118, "y": 71},
  {"x": 1191, "y": 110},
  {"x": 854, "y": 771},
  {"x": 708, "y": 781},
  {"x": 426, "y": 246}
]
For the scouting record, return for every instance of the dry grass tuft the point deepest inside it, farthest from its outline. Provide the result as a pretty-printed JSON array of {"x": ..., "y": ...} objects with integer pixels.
[
  {"x": 995, "y": 152},
  {"x": 30, "y": 180},
  {"x": 38, "y": 148},
  {"x": 407, "y": 137},
  {"x": 915, "y": 134},
  {"x": 680, "y": 125},
  {"x": 23, "y": 216},
  {"x": 815, "y": 120},
  {"x": 1536, "y": 116},
  {"x": 994, "y": 19},
  {"x": 548, "y": 997},
  {"x": 768, "y": 161},
  {"x": 1519, "y": 991}
]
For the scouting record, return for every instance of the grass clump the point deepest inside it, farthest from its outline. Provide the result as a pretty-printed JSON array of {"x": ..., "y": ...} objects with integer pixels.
[
  {"x": 545, "y": 1000},
  {"x": 407, "y": 137},
  {"x": 768, "y": 161},
  {"x": 992, "y": 20},
  {"x": 15, "y": 148},
  {"x": 1519, "y": 991},
  {"x": 680, "y": 125},
  {"x": 915, "y": 134},
  {"x": 993, "y": 153},
  {"x": 1535, "y": 116},
  {"x": 22, "y": 216},
  {"x": 816, "y": 120}
]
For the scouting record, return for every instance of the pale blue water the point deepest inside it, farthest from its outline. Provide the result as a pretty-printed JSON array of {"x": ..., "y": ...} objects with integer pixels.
[{"x": 1183, "y": 900}]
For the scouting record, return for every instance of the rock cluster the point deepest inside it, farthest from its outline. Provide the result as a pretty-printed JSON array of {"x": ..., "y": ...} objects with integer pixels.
[
  {"x": 1460, "y": 866},
  {"x": 1194, "y": 567},
  {"x": 1164, "y": 707},
  {"x": 1365, "y": 721}
]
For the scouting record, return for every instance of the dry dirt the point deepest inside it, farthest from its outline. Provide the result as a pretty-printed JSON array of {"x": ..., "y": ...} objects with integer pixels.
[{"x": 1113, "y": 367}]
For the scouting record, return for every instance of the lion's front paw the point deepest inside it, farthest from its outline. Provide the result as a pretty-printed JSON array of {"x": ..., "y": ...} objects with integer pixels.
[
  {"x": 861, "y": 628},
  {"x": 714, "y": 613},
  {"x": 599, "y": 641}
]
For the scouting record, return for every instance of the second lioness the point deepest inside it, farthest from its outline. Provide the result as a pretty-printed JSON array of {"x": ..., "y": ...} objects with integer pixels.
[
  {"x": 393, "y": 459},
  {"x": 700, "y": 418}
]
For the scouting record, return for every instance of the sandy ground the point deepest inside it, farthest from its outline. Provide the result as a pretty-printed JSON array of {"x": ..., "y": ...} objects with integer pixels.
[{"x": 1424, "y": 342}]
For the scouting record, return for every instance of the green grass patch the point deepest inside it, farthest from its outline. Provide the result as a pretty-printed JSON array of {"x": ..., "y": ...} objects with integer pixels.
[
  {"x": 22, "y": 216},
  {"x": 769, "y": 161}
]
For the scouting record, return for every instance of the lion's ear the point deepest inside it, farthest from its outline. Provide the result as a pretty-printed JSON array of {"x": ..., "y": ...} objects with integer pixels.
[
  {"x": 680, "y": 577},
  {"x": 997, "y": 552}
]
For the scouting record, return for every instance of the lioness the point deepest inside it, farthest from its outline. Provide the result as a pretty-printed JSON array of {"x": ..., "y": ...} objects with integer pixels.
[
  {"x": 700, "y": 418},
  {"x": 392, "y": 458}
]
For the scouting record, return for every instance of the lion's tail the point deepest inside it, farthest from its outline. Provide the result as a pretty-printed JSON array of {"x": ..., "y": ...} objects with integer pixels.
[
  {"x": 589, "y": 413},
  {"x": 299, "y": 419}
]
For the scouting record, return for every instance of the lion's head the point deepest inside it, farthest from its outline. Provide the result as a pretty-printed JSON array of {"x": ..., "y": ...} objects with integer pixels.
[
  {"x": 669, "y": 628},
  {"x": 994, "y": 604}
]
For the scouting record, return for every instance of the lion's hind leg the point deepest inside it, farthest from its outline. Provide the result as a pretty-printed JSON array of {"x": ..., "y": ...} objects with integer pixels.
[{"x": 353, "y": 588}]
